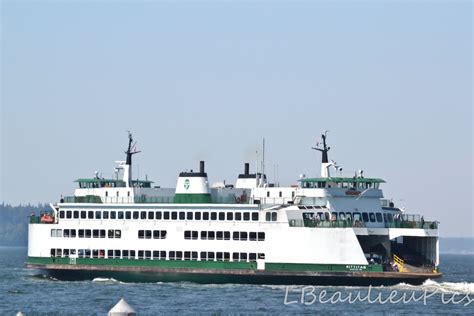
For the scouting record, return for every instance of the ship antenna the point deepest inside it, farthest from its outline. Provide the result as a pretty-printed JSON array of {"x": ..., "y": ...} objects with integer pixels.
[
  {"x": 130, "y": 152},
  {"x": 323, "y": 150}
]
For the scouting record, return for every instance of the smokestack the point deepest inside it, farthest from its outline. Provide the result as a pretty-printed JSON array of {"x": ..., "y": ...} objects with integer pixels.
[
  {"x": 246, "y": 169},
  {"x": 201, "y": 166}
]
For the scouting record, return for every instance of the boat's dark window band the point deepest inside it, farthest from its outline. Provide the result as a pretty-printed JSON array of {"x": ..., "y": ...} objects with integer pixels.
[
  {"x": 149, "y": 234},
  {"x": 160, "y": 215},
  {"x": 86, "y": 233},
  {"x": 356, "y": 217},
  {"x": 156, "y": 255},
  {"x": 224, "y": 235}
]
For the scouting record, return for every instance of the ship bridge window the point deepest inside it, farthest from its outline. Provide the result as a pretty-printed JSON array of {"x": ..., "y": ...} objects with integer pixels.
[
  {"x": 254, "y": 216},
  {"x": 365, "y": 217},
  {"x": 372, "y": 217},
  {"x": 379, "y": 217},
  {"x": 349, "y": 216},
  {"x": 390, "y": 217},
  {"x": 342, "y": 216},
  {"x": 61, "y": 214},
  {"x": 246, "y": 216}
]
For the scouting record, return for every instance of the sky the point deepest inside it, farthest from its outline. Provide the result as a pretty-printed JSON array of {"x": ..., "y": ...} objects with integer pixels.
[{"x": 391, "y": 81}]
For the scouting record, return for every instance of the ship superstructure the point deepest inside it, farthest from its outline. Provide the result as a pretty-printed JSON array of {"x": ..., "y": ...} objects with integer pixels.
[{"x": 325, "y": 230}]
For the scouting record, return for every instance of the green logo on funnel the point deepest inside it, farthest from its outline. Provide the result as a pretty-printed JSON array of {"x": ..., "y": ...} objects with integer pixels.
[{"x": 186, "y": 184}]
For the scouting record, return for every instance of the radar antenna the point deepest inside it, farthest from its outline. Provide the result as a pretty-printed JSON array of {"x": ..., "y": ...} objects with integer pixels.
[
  {"x": 324, "y": 150},
  {"x": 131, "y": 149}
]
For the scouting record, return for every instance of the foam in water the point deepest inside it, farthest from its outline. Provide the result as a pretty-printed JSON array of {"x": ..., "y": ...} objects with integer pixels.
[{"x": 106, "y": 280}]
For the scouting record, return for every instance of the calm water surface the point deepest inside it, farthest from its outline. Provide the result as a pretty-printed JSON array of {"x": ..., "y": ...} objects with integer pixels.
[{"x": 35, "y": 294}]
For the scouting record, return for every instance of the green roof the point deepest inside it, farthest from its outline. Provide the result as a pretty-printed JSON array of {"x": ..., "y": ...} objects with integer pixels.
[{"x": 338, "y": 179}]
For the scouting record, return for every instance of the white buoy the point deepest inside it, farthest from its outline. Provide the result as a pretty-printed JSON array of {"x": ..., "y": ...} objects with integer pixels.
[
  {"x": 20, "y": 313},
  {"x": 122, "y": 309}
]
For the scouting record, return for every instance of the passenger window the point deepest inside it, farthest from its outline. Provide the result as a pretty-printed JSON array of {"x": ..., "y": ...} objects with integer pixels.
[
  {"x": 379, "y": 217},
  {"x": 205, "y": 216},
  {"x": 189, "y": 215},
  {"x": 213, "y": 216},
  {"x": 238, "y": 216},
  {"x": 174, "y": 215},
  {"x": 98, "y": 215},
  {"x": 274, "y": 216},
  {"x": 135, "y": 215},
  {"x": 246, "y": 216},
  {"x": 255, "y": 216},
  {"x": 151, "y": 215},
  {"x": 365, "y": 217},
  {"x": 166, "y": 215},
  {"x": 221, "y": 216},
  {"x": 197, "y": 216},
  {"x": 105, "y": 214},
  {"x": 158, "y": 215},
  {"x": 182, "y": 215},
  {"x": 68, "y": 214},
  {"x": 143, "y": 215},
  {"x": 372, "y": 217},
  {"x": 128, "y": 215},
  {"x": 230, "y": 216},
  {"x": 90, "y": 215}
]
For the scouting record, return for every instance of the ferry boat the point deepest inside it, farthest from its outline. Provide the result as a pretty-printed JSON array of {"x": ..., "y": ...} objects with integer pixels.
[{"x": 329, "y": 230}]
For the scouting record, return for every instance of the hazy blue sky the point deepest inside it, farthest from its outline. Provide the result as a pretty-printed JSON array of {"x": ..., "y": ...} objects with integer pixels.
[{"x": 392, "y": 82}]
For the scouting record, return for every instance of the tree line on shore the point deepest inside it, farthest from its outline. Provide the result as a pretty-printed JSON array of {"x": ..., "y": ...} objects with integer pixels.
[{"x": 14, "y": 223}]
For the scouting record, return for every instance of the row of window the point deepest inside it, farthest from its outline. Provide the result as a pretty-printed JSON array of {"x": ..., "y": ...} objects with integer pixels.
[
  {"x": 152, "y": 234},
  {"x": 162, "y": 215},
  {"x": 157, "y": 255},
  {"x": 224, "y": 235},
  {"x": 348, "y": 216},
  {"x": 86, "y": 233}
]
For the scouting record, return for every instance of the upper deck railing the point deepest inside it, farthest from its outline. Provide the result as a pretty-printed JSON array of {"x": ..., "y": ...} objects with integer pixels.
[{"x": 405, "y": 221}]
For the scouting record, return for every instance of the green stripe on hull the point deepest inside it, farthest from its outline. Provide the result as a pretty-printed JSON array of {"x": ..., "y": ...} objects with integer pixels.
[
  {"x": 173, "y": 264},
  {"x": 176, "y": 264}
]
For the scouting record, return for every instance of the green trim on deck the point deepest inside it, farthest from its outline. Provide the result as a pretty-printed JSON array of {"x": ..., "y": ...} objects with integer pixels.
[{"x": 192, "y": 198}]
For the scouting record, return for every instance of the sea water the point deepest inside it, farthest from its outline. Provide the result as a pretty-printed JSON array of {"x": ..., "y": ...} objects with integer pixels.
[{"x": 32, "y": 293}]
